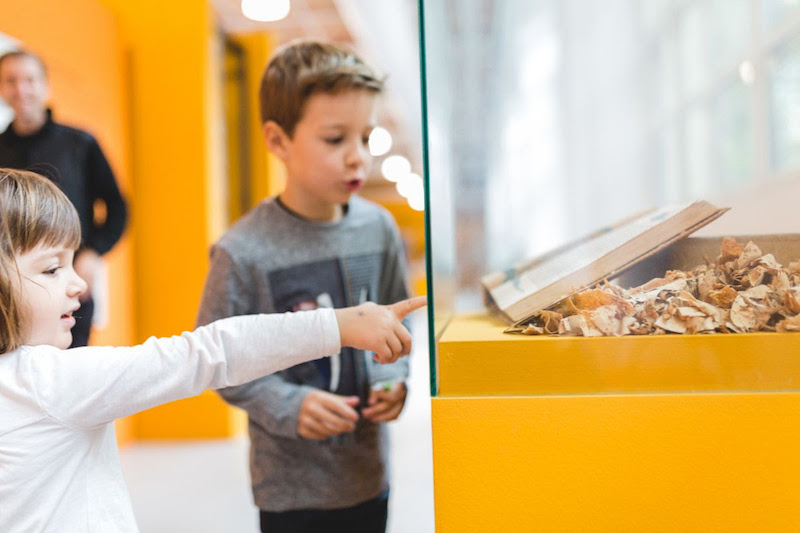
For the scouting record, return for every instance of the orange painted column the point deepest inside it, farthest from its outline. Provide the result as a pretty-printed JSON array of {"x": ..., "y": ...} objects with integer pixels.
[{"x": 179, "y": 199}]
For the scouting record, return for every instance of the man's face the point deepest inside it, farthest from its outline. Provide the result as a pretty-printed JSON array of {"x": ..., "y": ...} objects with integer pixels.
[{"x": 23, "y": 86}]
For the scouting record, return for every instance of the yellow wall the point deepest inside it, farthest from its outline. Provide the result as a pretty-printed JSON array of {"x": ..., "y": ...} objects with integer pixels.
[
  {"x": 176, "y": 202},
  {"x": 169, "y": 54}
]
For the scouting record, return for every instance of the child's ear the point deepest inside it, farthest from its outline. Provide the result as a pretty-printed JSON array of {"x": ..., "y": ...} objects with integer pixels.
[{"x": 276, "y": 139}]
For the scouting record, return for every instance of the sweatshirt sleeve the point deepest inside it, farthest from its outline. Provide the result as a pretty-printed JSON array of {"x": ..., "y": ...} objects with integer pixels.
[
  {"x": 271, "y": 402},
  {"x": 102, "y": 186},
  {"x": 86, "y": 387}
]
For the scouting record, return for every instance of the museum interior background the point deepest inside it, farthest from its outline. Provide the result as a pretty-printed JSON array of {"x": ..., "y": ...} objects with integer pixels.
[{"x": 546, "y": 120}]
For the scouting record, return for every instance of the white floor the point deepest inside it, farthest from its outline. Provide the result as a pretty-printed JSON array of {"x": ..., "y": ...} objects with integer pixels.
[{"x": 204, "y": 487}]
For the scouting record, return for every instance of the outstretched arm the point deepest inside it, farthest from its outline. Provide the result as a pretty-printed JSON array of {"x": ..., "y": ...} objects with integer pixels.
[
  {"x": 378, "y": 328},
  {"x": 94, "y": 385}
]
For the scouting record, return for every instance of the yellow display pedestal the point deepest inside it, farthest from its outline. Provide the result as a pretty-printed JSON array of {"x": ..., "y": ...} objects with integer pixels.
[{"x": 668, "y": 433}]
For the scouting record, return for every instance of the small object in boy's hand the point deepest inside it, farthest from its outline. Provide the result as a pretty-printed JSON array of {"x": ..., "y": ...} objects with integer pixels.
[{"x": 383, "y": 385}]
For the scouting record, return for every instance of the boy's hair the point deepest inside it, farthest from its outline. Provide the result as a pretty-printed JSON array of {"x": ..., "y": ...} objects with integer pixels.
[
  {"x": 33, "y": 212},
  {"x": 301, "y": 69},
  {"x": 24, "y": 53}
]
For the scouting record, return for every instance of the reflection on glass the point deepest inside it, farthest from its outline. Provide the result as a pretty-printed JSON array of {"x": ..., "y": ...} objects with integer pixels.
[
  {"x": 667, "y": 86},
  {"x": 773, "y": 12},
  {"x": 728, "y": 33},
  {"x": 785, "y": 105},
  {"x": 733, "y": 136},
  {"x": 697, "y": 139},
  {"x": 654, "y": 13},
  {"x": 528, "y": 156},
  {"x": 670, "y": 168},
  {"x": 692, "y": 45}
]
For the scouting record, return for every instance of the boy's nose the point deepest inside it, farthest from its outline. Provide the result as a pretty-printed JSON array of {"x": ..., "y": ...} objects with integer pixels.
[{"x": 358, "y": 155}]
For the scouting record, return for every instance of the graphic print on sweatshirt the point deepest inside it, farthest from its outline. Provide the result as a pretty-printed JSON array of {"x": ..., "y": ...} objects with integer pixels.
[{"x": 326, "y": 284}]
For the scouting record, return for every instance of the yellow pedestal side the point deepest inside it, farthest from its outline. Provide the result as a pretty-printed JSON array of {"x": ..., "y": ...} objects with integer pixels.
[{"x": 708, "y": 446}]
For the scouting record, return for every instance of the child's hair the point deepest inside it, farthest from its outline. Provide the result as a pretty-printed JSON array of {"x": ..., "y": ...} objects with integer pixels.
[
  {"x": 33, "y": 212},
  {"x": 301, "y": 69},
  {"x": 23, "y": 53}
]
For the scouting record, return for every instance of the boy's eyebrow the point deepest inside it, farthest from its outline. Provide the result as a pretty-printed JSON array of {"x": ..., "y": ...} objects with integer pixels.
[{"x": 343, "y": 126}]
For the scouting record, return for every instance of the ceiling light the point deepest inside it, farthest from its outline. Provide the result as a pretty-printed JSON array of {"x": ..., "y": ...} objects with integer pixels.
[
  {"x": 417, "y": 203},
  {"x": 380, "y": 141},
  {"x": 395, "y": 167},
  {"x": 410, "y": 186},
  {"x": 265, "y": 10}
]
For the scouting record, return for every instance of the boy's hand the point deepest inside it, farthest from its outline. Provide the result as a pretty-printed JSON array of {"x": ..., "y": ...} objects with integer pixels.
[
  {"x": 323, "y": 414},
  {"x": 378, "y": 328},
  {"x": 385, "y": 405}
]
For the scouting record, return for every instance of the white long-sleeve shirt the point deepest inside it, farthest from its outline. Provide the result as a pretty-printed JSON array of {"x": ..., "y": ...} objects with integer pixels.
[{"x": 59, "y": 464}]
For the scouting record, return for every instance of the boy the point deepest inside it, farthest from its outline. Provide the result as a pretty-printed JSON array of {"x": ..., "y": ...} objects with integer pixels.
[{"x": 318, "y": 448}]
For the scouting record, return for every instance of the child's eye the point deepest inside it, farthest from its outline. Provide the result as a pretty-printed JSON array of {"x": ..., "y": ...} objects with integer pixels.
[
  {"x": 334, "y": 140},
  {"x": 52, "y": 270}
]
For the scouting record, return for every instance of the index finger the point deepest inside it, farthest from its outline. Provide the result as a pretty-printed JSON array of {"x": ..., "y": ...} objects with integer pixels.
[{"x": 404, "y": 307}]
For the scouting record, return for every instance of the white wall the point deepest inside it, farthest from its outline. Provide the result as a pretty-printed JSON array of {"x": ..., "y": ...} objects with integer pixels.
[{"x": 6, "y": 115}]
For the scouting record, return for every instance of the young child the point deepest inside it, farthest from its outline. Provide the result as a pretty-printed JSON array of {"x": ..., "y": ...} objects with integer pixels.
[
  {"x": 318, "y": 459},
  {"x": 59, "y": 467}
]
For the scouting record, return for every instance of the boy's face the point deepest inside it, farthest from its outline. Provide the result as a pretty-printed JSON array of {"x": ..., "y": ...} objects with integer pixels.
[
  {"x": 327, "y": 159},
  {"x": 23, "y": 86},
  {"x": 50, "y": 290}
]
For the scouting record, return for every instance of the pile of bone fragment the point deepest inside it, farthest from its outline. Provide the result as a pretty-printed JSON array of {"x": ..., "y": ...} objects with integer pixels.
[{"x": 743, "y": 291}]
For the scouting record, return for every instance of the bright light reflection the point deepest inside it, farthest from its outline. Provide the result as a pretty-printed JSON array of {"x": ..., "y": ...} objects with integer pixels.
[
  {"x": 747, "y": 72},
  {"x": 380, "y": 141},
  {"x": 265, "y": 10},
  {"x": 417, "y": 203},
  {"x": 410, "y": 186},
  {"x": 395, "y": 167}
]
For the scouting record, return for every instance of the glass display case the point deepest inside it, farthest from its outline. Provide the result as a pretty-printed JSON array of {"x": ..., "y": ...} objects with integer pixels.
[
  {"x": 547, "y": 120},
  {"x": 543, "y": 122}
]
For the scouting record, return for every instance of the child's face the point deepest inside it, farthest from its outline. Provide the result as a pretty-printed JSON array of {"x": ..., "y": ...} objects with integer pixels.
[
  {"x": 50, "y": 290},
  {"x": 328, "y": 159}
]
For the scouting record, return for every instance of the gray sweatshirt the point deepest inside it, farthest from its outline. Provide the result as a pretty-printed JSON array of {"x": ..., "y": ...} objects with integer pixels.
[{"x": 274, "y": 261}]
